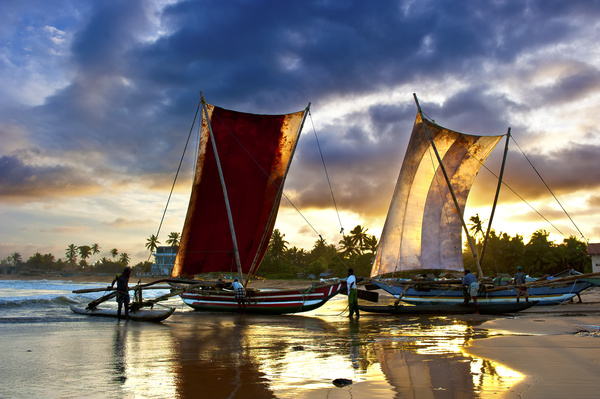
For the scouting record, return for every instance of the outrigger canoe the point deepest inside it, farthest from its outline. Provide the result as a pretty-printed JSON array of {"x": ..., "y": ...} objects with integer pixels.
[
  {"x": 154, "y": 315},
  {"x": 500, "y": 308}
]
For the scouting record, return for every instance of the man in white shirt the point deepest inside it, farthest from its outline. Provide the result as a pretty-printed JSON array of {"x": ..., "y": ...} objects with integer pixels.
[{"x": 352, "y": 294}]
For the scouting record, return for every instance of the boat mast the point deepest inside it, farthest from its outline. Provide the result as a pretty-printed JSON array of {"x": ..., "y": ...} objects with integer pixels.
[
  {"x": 231, "y": 227},
  {"x": 279, "y": 194},
  {"x": 460, "y": 213},
  {"x": 487, "y": 233}
]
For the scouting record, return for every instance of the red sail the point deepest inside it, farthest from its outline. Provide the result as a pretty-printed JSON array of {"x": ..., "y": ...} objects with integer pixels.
[{"x": 254, "y": 152}]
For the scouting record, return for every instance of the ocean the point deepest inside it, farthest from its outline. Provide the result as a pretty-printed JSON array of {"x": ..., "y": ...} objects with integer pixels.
[{"x": 50, "y": 352}]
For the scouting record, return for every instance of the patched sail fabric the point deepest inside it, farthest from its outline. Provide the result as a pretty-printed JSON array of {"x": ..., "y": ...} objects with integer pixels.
[
  {"x": 254, "y": 152},
  {"x": 423, "y": 229}
]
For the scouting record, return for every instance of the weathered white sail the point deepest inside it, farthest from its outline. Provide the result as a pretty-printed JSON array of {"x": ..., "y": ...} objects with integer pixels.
[{"x": 423, "y": 229}]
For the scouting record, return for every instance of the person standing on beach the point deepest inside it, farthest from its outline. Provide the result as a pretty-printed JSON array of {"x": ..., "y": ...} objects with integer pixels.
[
  {"x": 573, "y": 272},
  {"x": 470, "y": 288},
  {"x": 240, "y": 295},
  {"x": 122, "y": 281},
  {"x": 352, "y": 294},
  {"x": 519, "y": 282}
]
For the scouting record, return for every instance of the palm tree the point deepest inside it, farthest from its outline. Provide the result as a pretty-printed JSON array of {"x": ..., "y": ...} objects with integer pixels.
[
  {"x": 84, "y": 252},
  {"x": 476, "y": 226},
  {"x": 71, "y": 254},
  {"x": 152, "y": 243},
  {"x": 16, "y": 258},
  {"x": 277, "y": 244},
  {"x": 476, "y": 230},
  {"x": 114, "y": 253},
  {"x": 173, "y": 239},
  {"x": 358, "y": 235},
  {"x": 124, "y": 258},
  {"x": 95, "y": 250},
  {"x": 371, "y": 243},
  {"x": 348, "y": 247}
]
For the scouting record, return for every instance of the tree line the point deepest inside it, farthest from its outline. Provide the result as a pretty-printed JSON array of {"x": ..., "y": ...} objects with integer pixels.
[
  {"x": 503, "y": 253},
  {"x": 355, "y": 251},
  {"x": 76, "y": 259},
  {"x": 538, "y": 257}
]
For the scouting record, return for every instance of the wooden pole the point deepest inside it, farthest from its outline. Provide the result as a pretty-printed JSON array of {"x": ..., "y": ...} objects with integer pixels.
[
  {"x": 223, "y": 186},
  {"x": 487, "y": 233},
  {"x": 460, "y": 212}
]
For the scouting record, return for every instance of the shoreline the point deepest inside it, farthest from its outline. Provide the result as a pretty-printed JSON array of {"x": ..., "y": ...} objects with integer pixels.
[
  {"x": 556, "y": 348},
  {"x": 108, "y": 278},
  {"x": 93, "y": 278}
]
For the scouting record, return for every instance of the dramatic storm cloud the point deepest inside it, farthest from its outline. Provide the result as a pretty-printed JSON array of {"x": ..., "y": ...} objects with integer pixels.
[{"x": 97, "y": 99}]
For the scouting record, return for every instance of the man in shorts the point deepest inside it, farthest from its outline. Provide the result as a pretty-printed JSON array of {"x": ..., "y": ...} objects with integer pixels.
[
  {"x": 519, "y": 281},
  {"x": 470, "y": 288},
  {"x": 122, "y": 281},
  {"x": 240, "y": 295}
]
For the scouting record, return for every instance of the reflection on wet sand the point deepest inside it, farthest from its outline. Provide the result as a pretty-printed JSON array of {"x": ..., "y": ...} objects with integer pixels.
[
  {"x": 233, "y": 356},
  {"x": 214, "y": 359},
  {"x": 119, "y": 355}
]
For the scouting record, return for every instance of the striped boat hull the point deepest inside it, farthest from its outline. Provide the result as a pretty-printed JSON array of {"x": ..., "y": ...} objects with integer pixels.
[
  {"x": 547, "y": 295},
  {"x": 263, "y": 301}
]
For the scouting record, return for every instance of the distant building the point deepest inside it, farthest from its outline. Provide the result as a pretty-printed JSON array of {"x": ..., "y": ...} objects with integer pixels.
[
  {"x": 164, "y": 259},
  {"x": 8, "y": 269},
  {"x": 326, "y": 274},
  {"x": 594, "y": 252}
]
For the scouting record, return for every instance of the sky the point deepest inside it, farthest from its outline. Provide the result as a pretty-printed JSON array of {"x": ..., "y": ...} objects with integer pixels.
[{"x": 97, "y": 99}]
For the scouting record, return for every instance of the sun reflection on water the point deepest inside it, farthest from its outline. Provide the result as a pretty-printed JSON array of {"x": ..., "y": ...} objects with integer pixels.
[{"x": 300, "y": 357}]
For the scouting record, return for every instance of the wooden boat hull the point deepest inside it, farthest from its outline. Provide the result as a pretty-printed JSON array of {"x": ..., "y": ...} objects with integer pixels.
[
  {"x": 500, "y": 308},
  {"x": 138, "y": 315},
  {"x": 446, "y": 295},
  {"x": 263, "y": 301}
]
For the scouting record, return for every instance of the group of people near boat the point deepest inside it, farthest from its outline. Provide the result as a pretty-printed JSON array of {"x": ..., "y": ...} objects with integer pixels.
[
  {"x": 240, "y": 295},
  {"x": 469, "y": 282},
  {"x": 471, "y": 286}
]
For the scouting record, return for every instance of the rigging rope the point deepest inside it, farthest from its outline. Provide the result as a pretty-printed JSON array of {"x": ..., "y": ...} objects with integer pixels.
[
  {"x": 326, "y": 174},
  {"x": 543, "y": 181},
  {"x": 176, "y": 175}
]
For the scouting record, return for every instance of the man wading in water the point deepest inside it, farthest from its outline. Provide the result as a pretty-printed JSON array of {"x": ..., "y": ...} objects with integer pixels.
[
  {"x": 352, "y": 294},
  {"x": 122, "y": 281}
]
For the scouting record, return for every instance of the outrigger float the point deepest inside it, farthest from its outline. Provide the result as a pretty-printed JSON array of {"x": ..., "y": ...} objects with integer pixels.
[
  {"x": 457, "y": 309},
  {"x": 216, "y": 296},
  {"x": 138, "y": 308}
]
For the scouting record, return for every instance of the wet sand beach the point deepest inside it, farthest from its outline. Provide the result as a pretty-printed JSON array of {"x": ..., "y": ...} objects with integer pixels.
[
  {"x": 557, "y": 348},
  {"x": 49, "y": 352}
]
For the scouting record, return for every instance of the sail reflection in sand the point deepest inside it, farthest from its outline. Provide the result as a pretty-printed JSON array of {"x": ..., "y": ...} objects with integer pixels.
[
  {"x": 299, "y": 357},
  {"x": 142, "y": 361},
  {"x": 430, "y": 358},
  {"x": 226, "y": 355}
]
